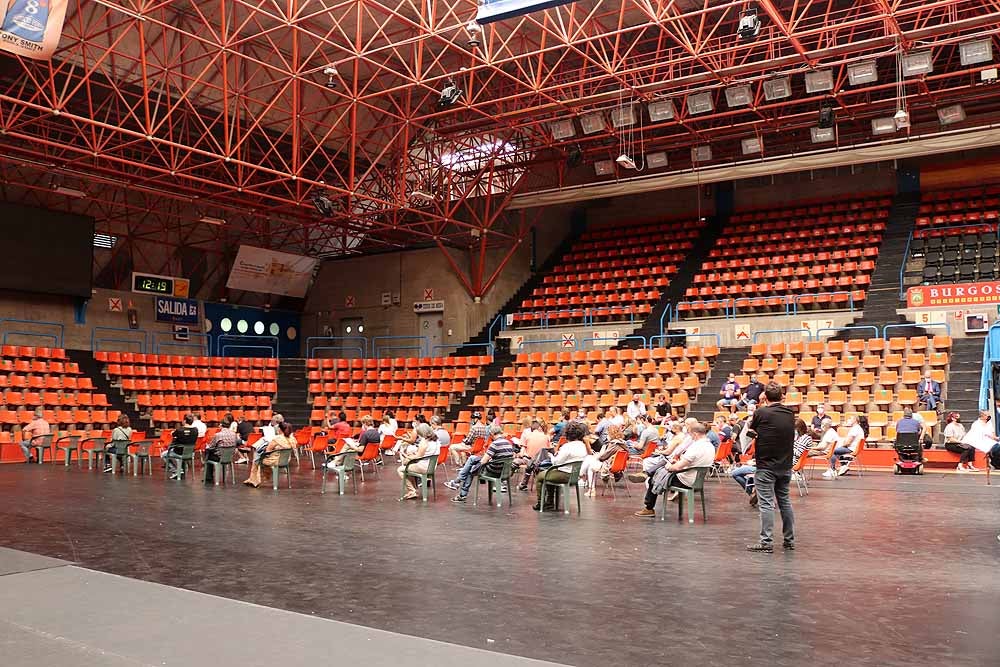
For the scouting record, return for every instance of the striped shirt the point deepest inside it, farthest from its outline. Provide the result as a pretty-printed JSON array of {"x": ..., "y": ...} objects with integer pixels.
[{"x": 499, "y": 449}]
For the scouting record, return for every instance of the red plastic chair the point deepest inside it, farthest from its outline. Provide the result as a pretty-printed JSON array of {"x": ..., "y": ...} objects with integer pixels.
[
  {"x": 617, "y": 467},
  {"x": 370, "y": 455}
]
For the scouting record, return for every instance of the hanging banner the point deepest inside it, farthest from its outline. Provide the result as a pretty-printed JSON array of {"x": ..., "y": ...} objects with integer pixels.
[
  {"x": 958, "y": 294},
  {"x": 271, "y": 272},
  {"x": 178, "y": 311},
  {"x": 32, "y": 28}
]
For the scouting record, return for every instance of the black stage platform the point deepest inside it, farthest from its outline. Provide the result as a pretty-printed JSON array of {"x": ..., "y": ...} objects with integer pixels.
[{"x": 889, "y": 570}]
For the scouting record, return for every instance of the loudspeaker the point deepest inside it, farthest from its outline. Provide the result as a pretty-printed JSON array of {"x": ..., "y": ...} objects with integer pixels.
[{"x": 825, "y": 117}]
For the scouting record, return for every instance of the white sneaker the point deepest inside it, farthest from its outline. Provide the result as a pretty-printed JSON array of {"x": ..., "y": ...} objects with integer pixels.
[
  {"x": 844, "y": 468},
  {"x": 971, "y": 468},
  {"x": 961, "y": 469},
  {"x": 829, "y": 474}
]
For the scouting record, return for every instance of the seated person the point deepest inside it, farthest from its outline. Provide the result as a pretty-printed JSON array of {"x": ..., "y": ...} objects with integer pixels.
[
  {"x": 185, "y": 434},
  {"x": 828, "y": 437},
  {"x": 243, "y": 432},
  {"x": 908, "y": 424},
  {"x": 953, "y": 434},
  {"x": 478, "y": 430},
  {"x": 226, "y": 438},
  {"x": 846, "y": 445},
  {"x": 426, "y": 445},
  {"x": 444, "y": 438},
  {"x": 499, "y": 450},
  {"x": 817, "y": 421},
  {"x": 389, "y": 426},
  {"x": 341, "y": 428},
  {"x": 367, "y": 435},
  {"x": 121, "y": 436},
  {"x": 929, "y": 391},
  {"x": 730, "y": 394},
  {"x": 635, "y": 407},
  {"x": 571, "y": 451},
  {"x": 268, "y": 454},
  {"x": 33, "y": 433},
  {"x": 534, "y": 447},
  {"x": 751, "y": 394},
  {"x": 599, "y": 463},
  {"x": 982, "y": 436},
  {"x": 648, "y": 433},
  {"x": 699, "y": 453}
]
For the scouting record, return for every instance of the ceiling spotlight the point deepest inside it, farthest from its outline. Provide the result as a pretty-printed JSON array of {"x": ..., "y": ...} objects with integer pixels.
[
  {"x": 901, "y": 119},
  {"x": 604, "y": 167},
  {"x": 738, "y": 96},
  {"x": 625, "y": 161},
  {"x": 975, "y": 52},
  {"x": 777, "y": 88},
  {"x": 562, "y": 129},
  {"x": 951, "y": 114},
  {"x": 656, "y": 160},
  {"x": 885, "y": 125},
  {"x": 209, "y": 220},
  {"x": 331, "y": 77},
  {"x": 592, "y": 123},
  {"x": 751, "y": 145},
  {"x": 819, "y": 81},
  {"x": 475, "y": 32},
  {"x": 862, "y": 73},
  {"x": 918, "y": 62},
  {"x": 323, "y": 204},
  {"x": 701, "y": 153},
  {"x": 661, "y": 110},
  {"x": 700, "y": 103},
  {"x": 749, "y": 27},
  {"x": 623, "y": 116},
  {"x": 450, "y": 94},
  {"x": 821, "y": 134}
]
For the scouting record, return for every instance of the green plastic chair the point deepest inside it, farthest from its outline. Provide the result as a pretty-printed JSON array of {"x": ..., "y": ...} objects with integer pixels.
[
  {"x": 218, "y": 468},
  {"x": 424, "y": 479},
  {"x": 495, "y": 482},
  {"x": 95, "y": 451},
  {"x": 697, "y": 487},
  {"x": 346, "y": 466},
  {"x": 120, "y": 457},
  {"x": 41, "y": 445},
  {"x": 283, "y": 463},
  {"x": 141, "y": 459},
  {"x": 181, "y": 462},
  {"x": 572, "y": 483},
  {"x": 67, "y": 445}
]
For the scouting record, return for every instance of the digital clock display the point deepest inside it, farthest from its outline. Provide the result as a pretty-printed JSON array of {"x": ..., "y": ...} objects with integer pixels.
[{"x": 152, "y": 285}]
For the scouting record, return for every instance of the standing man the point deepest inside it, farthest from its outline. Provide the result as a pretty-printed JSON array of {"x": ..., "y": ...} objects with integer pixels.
[
  {"x": 774, "y": 426},
  {"x": 33, "y": 433}
]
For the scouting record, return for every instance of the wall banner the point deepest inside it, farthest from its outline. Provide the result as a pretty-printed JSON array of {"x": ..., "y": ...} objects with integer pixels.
[
  {"x": 957, "y": 294},
  {"x": 177, "y": 311},
  {"x": 271, "y": 272},
  {"x": 32, "y": 28}
]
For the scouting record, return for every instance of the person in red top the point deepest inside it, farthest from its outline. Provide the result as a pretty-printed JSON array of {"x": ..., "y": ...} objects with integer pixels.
[
  {"x": 32, "y": 434},
  {"x": 341, "y": 428}
]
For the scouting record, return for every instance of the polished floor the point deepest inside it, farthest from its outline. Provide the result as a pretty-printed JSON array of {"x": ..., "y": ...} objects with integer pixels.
[{"x": 889, "y": 570}]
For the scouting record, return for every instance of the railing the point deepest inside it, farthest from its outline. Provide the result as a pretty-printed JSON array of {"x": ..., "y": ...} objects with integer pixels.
[
  {"x": 236, "y": 342},
  {"x": 797, "y": 297},
  {"x": 786, "y": 300},
  {"x": 58, "y": 339},
  {"x": 207, "y": 347},
  {"x": 95, "y": 341},
  {"x": 490, "y": 347},
  {"x": 562, "y": 342},
  {"x": 717, "y": 337},
  {"x": 808, "y": 333},
  {"x": 353, "y": 339},
  {"x": 849, "y": 327},
  {"x": 498, "y": 320},
  {"x": 885, "y": 329},
  {"x": 376, "y": 350},
  {"x": 703, "y": 303},
  {"x": 665, "y": 313},
  {"x": 339, "y": 348},
  {"x": 730, "y": 305},
  {"x": 611, "y": 342},
  {"x": 587, "y": 313},
  {"x": 913, "y": 235}
]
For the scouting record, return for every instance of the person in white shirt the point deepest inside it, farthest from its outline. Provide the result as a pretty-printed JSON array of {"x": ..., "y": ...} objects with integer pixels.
[
  {"x": 569, "y": 452},
  {"x": 846, "y": 445},
  {"x": 981, "y": 434},
  {"x": 698, "y": 454},
  {"x": 444, "y": 438},
  {"x": 954, "y": 432},
  {"x": 827, "y": 439},
  {"x": 388, "y": 427},
  {"x": 200, "y": 425},
  {"x": 427, "y": 445},
  {"x": 635, "y": 407}
]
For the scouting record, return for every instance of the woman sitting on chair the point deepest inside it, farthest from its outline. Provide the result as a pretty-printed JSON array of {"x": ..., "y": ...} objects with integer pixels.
[
  {"x": 599, "y": 463},
  {"x": 953, "y": 434},
  {"x": 269, "y": 454},
  {"x": 571, "y": 451}
]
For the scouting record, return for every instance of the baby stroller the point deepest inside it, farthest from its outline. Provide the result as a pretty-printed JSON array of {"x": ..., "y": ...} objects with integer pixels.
[{"x": 909, "y": 454}]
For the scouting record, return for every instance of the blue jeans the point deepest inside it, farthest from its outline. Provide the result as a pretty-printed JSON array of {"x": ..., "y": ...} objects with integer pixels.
[
  {"x": 740, "y": 475},
  {"x": 26, "y": 449},
  {"x": 837, "y": 453},
  {"x": 466, "y": 474},
  {"x": 773, "y": 485}
]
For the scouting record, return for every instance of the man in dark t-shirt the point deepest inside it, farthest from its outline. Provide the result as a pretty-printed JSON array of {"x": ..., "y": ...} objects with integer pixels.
[
  {"x": 752, "y": 392},
  {"x": 774, "y": 426}
]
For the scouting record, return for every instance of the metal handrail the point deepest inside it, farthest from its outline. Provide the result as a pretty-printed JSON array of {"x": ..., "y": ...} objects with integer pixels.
[
  {"x": 142, "y": 348},
  {"x": 885, "y": 329},
  {"x": 501, "y": 319},
  {"x": 250, "y": 339},
  {"x": 849, "y": 327},
  {"x": 591, "y": 339},
  {"x": 809, "y": 335},
  {"x": 913, "y": 235},
  {"x": 796, "y": 297},
  {"x": 177, "y": 344},
  {"x": 576, "y": 345},
  {"x": 142, "y": 332},
  {"x": 362, "y": 339},
  {"x": 665, "y": 313},
  {"x": 250, "y": 347},
  {"x": 379, "y": 350},
  {"x": 726, "y": 302},
  {"x": 59, "y": 339},
  {"x": 424, "y": 344},
  {"x": 902, "y": 267},
  {"x": 340, "y": 348},
  {"x": 717, "y": 337},
  {"x": 490, "y": 347},
  {"x": 55, "y": 339}
]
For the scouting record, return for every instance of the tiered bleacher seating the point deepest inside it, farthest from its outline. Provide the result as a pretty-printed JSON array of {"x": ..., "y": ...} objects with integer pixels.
[
  {"x": 546, "y": 383},
  {"x": 610, "y": 274},
  {"x": 956, "y": 234},
  {"x": 164, "y": 387},
  {"x": 810, "y": 257},
  {"x": 406, "y": 386},
  {"x": 875, "y": 377},
  {"x": 32, "y": 377}
]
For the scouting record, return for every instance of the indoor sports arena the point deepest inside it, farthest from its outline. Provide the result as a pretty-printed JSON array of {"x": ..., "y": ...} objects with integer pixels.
[{"x": 499, "y": 332}]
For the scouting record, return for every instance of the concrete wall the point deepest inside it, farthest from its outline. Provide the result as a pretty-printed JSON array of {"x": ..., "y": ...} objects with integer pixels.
[
  {"x": 740, "y": 332},
  {"x": 63, "y": 310}
]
